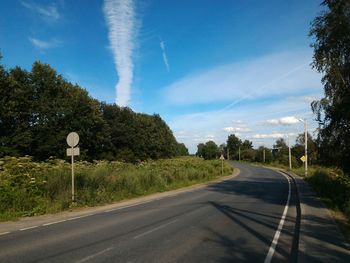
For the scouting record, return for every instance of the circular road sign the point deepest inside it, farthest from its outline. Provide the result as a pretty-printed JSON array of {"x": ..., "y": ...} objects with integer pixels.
[{"x": 73, "y": 139}]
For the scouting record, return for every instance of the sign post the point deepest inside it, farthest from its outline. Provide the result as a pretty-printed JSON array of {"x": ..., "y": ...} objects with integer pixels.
[
  {"x": 72, "y": 141},
  {"x": 222, "y": 158}
]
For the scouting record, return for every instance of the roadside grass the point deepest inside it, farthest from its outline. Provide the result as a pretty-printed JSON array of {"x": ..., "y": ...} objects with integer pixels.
[
  {"x": 333, "y": 188},
  {"x": 30, "y": 188}
]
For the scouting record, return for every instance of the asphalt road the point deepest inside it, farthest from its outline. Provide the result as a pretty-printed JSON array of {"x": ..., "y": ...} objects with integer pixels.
[{"x": 234, "y": 220}]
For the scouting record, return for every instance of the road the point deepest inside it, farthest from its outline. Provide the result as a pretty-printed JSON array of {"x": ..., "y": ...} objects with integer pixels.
[{"x": 234, "y": 220}]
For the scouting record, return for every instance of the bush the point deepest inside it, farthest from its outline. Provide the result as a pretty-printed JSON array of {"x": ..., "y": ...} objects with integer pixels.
[{"x": 30, "y": 188}]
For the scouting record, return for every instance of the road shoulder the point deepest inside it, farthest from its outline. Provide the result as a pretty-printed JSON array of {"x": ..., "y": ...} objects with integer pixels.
[
  {"x": 36, "y": 221},
  {"x": 320, "y": 239}
]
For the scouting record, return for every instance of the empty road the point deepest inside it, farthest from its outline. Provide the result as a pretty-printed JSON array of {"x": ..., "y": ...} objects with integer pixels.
[{"x": 234, "y": 220}]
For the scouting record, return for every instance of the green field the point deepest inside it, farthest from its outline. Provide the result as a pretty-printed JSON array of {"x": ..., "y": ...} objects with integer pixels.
[{"x": 30, "y": 188}]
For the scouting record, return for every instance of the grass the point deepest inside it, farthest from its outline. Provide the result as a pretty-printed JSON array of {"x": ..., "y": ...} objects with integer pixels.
[{"x": 30, "y": 188}]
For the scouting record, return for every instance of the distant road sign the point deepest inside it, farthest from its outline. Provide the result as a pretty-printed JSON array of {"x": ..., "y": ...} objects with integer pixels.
[
  {"x": 222, "y": 157},
  {"x": 73, "y": 151},
  {"x": 73, "y": 139},
  {"x": 303, "y": 159}
]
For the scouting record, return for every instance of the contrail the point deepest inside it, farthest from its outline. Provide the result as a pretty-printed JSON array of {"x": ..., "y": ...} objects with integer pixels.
[
  {"x": 120, "y": 18},
  {"x": 165, "y": 58}
]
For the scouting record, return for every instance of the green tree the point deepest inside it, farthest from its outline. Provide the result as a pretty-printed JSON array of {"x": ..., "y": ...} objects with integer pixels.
[
  {"x": 233, "y": 143},
  {"x": 298, "y": 150},
  {"x": 260, "y": 155},
  {"x": 331, "y": 31},
  {"x": 211, "y": 150}
]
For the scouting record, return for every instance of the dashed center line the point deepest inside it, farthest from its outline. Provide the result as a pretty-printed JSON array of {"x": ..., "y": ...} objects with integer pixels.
[{"x": 4, "y": 233}]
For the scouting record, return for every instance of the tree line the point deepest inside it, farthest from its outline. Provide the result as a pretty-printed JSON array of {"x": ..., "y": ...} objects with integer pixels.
[
  {"x": 38, "y": 108},
  {"x": 236, "y": 149}
]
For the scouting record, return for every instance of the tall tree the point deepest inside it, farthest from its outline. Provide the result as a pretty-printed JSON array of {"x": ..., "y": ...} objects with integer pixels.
[
  {"x": 233, "y": 143},
  {"x": 331, "y": 30}
]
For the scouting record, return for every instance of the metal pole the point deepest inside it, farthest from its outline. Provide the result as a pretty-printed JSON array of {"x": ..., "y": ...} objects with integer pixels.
[
  {"x": 228, "y": 153},
  {"x": 305, "y": 125},
  {"x": 73, "y": 199}
]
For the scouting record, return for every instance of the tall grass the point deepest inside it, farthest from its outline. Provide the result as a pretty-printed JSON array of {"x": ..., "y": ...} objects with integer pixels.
[{"x": 30, "y": 188}]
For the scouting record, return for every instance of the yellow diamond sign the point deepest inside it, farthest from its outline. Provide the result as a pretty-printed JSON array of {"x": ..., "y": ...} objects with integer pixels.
[{"x": 303, "y": 159}]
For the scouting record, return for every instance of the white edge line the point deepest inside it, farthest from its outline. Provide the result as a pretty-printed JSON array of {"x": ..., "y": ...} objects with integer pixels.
[
  {"x": 27, "y": 228},
  {"x": 280, "y": 226},
  {"x": 127, "y": 206},
  {"x": 56, "y": 222},
  {"x": 154, "y": 229},
  {"x": 4, "y": 233}
]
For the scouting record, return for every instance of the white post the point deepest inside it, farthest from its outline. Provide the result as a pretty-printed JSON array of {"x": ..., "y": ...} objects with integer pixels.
[
  {"x": 305, "y": 125},
  {"x": 73, "y": 199}
]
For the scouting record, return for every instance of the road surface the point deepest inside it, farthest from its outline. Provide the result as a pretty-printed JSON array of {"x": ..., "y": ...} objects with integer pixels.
[{"x": 244, "y": 219}]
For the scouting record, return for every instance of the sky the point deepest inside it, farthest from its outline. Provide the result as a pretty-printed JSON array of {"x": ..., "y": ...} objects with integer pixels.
[{"x": 210, "y": 68}]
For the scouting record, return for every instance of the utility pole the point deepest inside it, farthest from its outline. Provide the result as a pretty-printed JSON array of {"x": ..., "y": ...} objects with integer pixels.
[
  {"x": 239, "y": 153},
  {"x": 305, "y": 143},
  {"x": 228, "y": 153},
  {"x": 305, "y": 125}
]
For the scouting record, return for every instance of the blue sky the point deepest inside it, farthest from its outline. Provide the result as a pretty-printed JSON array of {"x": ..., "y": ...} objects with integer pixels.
[{"x": 209, "y": 68}]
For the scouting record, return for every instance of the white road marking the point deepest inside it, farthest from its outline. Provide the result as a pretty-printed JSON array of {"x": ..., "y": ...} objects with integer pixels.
[
  {"x": 280, "y": 226},
  {"x": 56, "y": 222},
  {"x": 4, "y": 233},
  {"x": 154, "y": 229},
  {"x": 26, "y": 228},
  {"x": 77, "y": 217},
  {"x": 94, "y": 255},
  {"x": 127, "y": 206}
]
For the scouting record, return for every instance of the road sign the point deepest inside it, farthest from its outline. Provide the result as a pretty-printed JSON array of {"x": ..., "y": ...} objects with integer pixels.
[
  {"x": 222, "y": 157},
  {"x": 72, "y": 139},
  {"x": 73, "y": 151},
  {"x": 303, "y": 159}
]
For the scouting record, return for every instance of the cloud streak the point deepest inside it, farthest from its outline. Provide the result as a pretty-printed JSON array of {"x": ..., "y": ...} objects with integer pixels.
[
  {"x": 121, "y": 22},
  {"x": 48, "y": 12},
  {"x": 278, "y": 74},
  {"x": 165, "y": 57},
  {"x": 43, "y": 45}
]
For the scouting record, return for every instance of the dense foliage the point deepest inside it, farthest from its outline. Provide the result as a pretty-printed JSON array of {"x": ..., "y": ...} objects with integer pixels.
[
  {"x": 29, "y": 188},
  {"x": 39, "y": 108},
  {"x": 331, "y": 31}
]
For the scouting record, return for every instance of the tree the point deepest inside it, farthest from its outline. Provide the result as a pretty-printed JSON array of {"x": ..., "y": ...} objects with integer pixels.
[
  {"x": 208, "y": 151},
  {"x": 260, "y": 155},
  {"x": 331, "y": 30},
  {"x": 233, "y": 144}
]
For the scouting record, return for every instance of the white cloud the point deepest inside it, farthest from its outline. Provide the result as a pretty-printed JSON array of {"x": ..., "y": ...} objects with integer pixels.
[
  {"x": 48, "y": 12},
  {"x": 121, "y": 21},
  {"x": 283, "y": 121},
  {"x": 254, "y": 116},
  {"x": 273, "y": 135},
  {"x": 237, "y": 129},
  {"x": 165, "y": 57},
  {"x": 273, "y": 75},
  {"x": 44, "y": 44}
]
